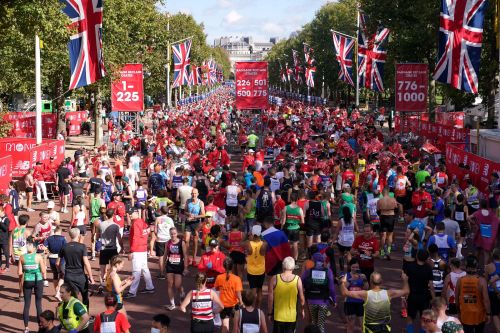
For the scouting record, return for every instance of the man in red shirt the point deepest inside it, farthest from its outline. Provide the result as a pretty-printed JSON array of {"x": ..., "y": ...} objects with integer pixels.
[
  {"x": 40, "y": 182},
  {"x": 139, "y": 233},
  {"x": 366, "y": 247},
  {"x": 118, "y": 321},
  {"x": 279, "y": 205},
  {"x": 120, "y": 210},
  {"x": 421, "y": 201},
  {"x": 211, "y": 262}
]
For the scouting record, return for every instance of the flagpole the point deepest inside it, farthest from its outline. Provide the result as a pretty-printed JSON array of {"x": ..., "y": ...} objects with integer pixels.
[
  {"x": 38, "y": 92},
  {"x": 169, "y": 91},
  {"x": 357, "y": 62}
]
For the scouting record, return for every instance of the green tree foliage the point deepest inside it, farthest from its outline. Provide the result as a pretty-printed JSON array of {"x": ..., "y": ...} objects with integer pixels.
[
  {"x": 133, "y": 32},
  {"x": 414, "y": 29}
]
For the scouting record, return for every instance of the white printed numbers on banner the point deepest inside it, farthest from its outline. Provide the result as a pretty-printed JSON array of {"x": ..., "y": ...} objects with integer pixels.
[
  {"x": 409, "y": 95},
  {"x": 260, "y": 83},
  {"x": 243, "y": 83},
  {"x": 127, "y": 96}
]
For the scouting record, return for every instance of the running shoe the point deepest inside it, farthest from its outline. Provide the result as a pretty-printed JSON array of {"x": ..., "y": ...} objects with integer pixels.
[
  {"x": 129, "y": 295},
  {"x": 170, "y": 307},
  {"x": 161, "y": 277},
  {"x": 147, "y": 291},
  {"x": 382, "y": 253}
]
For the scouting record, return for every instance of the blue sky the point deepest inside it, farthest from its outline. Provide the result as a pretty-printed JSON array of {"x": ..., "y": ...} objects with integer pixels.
[{"x": 261, "y": 19}]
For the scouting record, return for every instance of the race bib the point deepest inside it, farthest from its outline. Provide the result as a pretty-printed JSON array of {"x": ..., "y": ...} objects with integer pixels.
[
  {"x": 174, "y": 259},
  {"x": 318, "y": 275},
  {"x": 347, "y": 238},
  {"x": 485, "y": 230},
  {"x": 108, "y": 327},
  {"x": 365, "y": 257},
  {"x": 459, "y": 216}
]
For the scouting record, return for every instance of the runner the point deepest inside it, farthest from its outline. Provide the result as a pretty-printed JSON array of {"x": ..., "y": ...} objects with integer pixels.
[
  {"x": 114, "y": 284},
  {"x": 230, "y": 288},
  {"x": 111, "y": 320},
  {"x": 292, "y": 218},
  {"x": 202, "y": 300},
  {"x": 353, "y": 308},
  {"x": 249, "y": 318},
  {"x": 177, "y": 266},
  {"x": 256, "y": 267}
]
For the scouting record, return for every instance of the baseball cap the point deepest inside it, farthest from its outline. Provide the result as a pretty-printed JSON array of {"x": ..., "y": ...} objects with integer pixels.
[
  {"x": 251, "y": 151},
  {"x": 256, "y": 230},
  {"x": 213, "y": 243},
  {"x": 51, "y": 204},
  {"x": 133, "y": 210}
]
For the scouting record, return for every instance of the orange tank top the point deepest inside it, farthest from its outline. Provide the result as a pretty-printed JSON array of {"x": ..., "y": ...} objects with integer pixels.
[
  {"x": 235, "y": 238},
  {"x": 472, "y": 310}
]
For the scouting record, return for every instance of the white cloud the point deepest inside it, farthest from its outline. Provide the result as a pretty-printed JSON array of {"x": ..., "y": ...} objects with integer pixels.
[
  {"x": 233, "y": 17},
  {"x": 224, "y": 3},
  {"x": 271, "y": 29}
]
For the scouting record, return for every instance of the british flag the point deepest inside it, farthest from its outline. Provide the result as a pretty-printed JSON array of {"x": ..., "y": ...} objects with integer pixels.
[
  {"x": 282, "y": 73},
  {"x": 195, "y": 76},
  {"x": 289, "y": 72},
  {"x": 297, "y": 67},
  {"x": 310, "y": 65},
  {"x": 460, "y": 40},
  {"x": 181, "y": 63},
  {"x": 371, "y": 55},
  {"x": 85, "y": 46},
  {"x": 344, "y": 48},
  {"x": 212, "y": 65}
]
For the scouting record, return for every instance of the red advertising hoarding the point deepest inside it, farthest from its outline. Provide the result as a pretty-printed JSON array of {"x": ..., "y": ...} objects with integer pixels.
[
  {"x": 479, "y": 171},
  {"x": 127, "y": 93},
  {"x": 5, "y": 174},
  {"x": 251, "y": 85},
  {"x": 411, "y": 87},
  {"x": 26, "y": 126},
  {"x": 25, "y": 152}
]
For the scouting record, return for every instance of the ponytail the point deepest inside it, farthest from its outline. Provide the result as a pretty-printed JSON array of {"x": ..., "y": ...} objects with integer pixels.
[{"x": 228, "y": 266}]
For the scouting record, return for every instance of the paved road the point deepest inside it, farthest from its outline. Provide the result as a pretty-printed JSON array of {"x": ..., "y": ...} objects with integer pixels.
[{"x": 142, "y": 308}]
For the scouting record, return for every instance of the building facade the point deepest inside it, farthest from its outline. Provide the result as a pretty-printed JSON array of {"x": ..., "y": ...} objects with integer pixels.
[{"x": 244, "y": 48}]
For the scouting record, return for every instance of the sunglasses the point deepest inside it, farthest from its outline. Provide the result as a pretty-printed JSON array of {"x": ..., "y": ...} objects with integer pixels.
[{"x": 426, "y": 320}]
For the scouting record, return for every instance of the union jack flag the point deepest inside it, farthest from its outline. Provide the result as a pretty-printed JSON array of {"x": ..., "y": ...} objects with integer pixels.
[
  {"x": 195, "y": 77},
  {"x": 297, "y": 67},
  {"x": 204, "y": 73},
  {"x": 181, "y": 63},
  {"x": 310, "y": 65},
  {"x": 289, "y": 72},
  {"x": 282, "y": 73},
  {"x": 85, "y": 46},
  {"x": 371, "y": 56},
  {"x": 344, "y": 48},
  {"x": 460, "y": 40},
  {"x": 212, "y": 65}
]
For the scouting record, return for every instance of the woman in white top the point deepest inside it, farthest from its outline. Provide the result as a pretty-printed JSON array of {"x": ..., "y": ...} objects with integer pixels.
[
  {"x": 232, "y": 193},
  {"x": 80, "y": 218},
  {"x": 345, "y": 235},
  {"x": 54, "y": 216}
]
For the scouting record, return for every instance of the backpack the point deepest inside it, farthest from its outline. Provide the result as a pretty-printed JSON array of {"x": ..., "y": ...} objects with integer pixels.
[{"x": 108, "y": 324}]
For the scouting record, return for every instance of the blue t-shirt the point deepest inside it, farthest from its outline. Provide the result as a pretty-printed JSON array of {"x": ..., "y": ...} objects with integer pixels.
[
  {"x": 248, "y": 179},
  {"x": 439, "y": 207},
  {"x": 54, "y": 244},
  {"x": 420, "y": 226}
]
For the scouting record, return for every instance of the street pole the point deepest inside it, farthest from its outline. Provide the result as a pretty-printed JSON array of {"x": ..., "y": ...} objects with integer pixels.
[
  {"x": 169, "y": 91},
  {"x": 38, "y": 92},
  {"x": 323, "y": 87},
  {"x": 357, "y": 62}
]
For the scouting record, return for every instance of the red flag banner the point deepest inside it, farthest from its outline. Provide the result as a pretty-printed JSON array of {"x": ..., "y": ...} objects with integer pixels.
[
  {"x": 411, "y": 87},
  {"x": 5, "y": 174},
  {"x": 127, "y": 92},
  {"x": 251, "y": 85}
]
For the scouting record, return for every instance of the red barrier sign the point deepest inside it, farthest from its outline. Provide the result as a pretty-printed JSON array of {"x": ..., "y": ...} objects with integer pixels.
[
  {"x": 127, "y": 93},
  {"x": 26, "y": 126},
  {"x": 411, "y": 87},
  {"x": 479, "y": 171},
  {"x": 251, "y": 85},
  {"x": 5, "y": 174}
]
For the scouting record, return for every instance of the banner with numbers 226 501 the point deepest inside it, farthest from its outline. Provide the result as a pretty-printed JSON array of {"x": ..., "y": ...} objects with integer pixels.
[{"x": 251, "y": 85}]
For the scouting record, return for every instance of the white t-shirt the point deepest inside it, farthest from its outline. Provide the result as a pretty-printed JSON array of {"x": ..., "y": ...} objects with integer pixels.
[
  {"x": 131, "y": 174},
  {"x": 165, "y": 223},
  {"x": 184, "y": 194}
]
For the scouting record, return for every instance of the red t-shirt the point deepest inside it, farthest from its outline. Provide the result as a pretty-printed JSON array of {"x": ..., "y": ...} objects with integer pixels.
[
  {"x": 119, "y": 208},
  {"x": 121, "y": 322},
  {"x": 366, "y": 248},
  {"x": 139, "y": 233}
]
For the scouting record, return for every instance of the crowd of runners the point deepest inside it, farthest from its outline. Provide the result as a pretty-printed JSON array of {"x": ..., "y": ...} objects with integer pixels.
[{"x": 279, "y": 217}]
